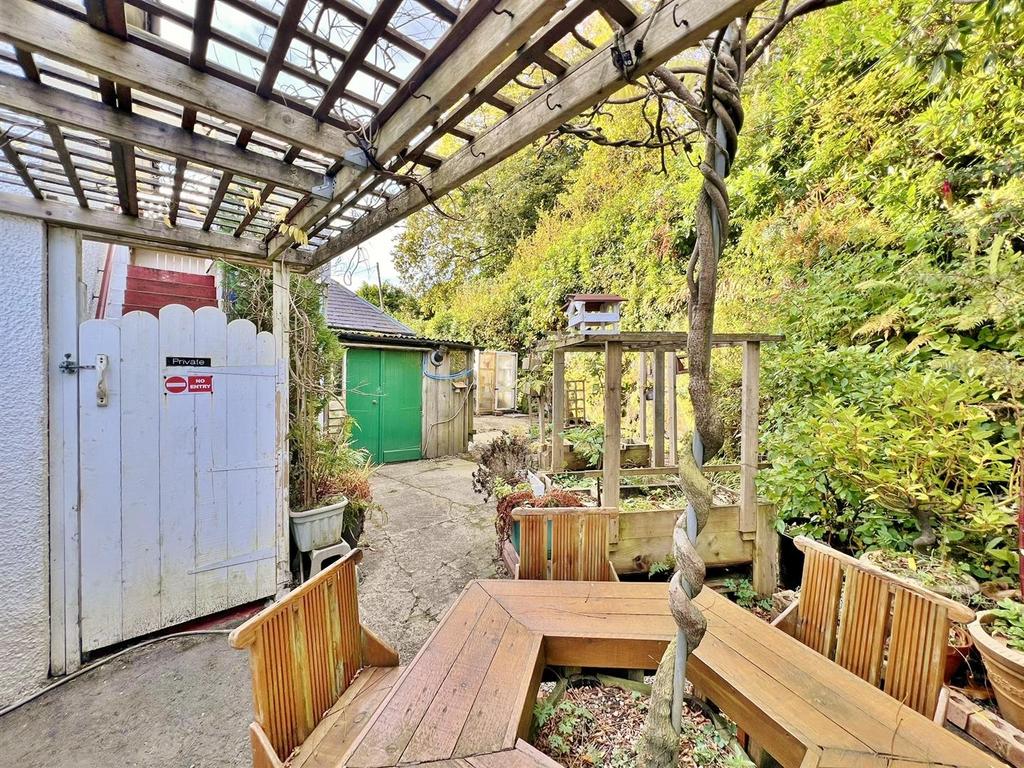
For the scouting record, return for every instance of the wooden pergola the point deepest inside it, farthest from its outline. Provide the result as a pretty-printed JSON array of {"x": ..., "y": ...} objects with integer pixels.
[
  {"x": 662, "y": 347},
  {"x": 290, "y": 131},
  {"x": 743, "y": 533}
]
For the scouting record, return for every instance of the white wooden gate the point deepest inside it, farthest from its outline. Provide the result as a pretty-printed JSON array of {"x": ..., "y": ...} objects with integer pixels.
[{"x": 177, "y": 488}]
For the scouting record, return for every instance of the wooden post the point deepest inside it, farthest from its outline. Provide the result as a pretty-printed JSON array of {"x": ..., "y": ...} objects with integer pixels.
[
  {"x": 282, "y": 335},
  {"x": 64, "y": 313},
  {"x": 557, "y": 410},
  {"x": 541, "y": 405},
  {"x": 751, "y": 385},
  {"x": 673, "y": 420},
  {"x": 658, "y": 433},
  {"x": 766, "y": 552},
  {"x": 612, "y": 421},
  {"x": 642, "y": 386}
]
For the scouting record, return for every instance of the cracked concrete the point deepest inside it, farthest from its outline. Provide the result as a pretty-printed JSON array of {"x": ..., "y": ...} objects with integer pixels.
[
  {"x": 434, "y": 536},
  {"x": 187, "y": 703}
]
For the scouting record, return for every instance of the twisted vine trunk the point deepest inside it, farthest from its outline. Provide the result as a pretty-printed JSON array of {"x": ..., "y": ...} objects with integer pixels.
[{"x": 721, "y": 121}]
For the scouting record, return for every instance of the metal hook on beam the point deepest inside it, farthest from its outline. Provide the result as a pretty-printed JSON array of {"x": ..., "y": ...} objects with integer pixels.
[
  {"x": 499, "y": 11},
  {"x": 677, "y": 21},
  {"x": 547, "y": 101},
  {"x": 474, "y": 153}
]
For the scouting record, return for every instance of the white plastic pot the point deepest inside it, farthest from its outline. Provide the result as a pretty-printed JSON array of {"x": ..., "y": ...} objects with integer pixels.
[{"x": 320, "y": 527}]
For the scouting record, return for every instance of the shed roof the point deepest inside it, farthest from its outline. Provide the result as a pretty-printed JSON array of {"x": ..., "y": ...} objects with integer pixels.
[{"x": 345, "y": 310}]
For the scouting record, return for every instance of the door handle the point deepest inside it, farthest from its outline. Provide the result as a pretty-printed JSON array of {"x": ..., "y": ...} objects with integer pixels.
[
  {"x": 102, "y": 397},
  {"x": 374, "y": 402}
]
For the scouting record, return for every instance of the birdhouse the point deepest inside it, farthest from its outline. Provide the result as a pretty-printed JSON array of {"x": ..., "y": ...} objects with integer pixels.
[{"x": 594, "y": 313}]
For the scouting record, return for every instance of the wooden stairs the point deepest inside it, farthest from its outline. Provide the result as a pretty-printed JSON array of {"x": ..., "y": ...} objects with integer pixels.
[{"x": 149, "y": 290}]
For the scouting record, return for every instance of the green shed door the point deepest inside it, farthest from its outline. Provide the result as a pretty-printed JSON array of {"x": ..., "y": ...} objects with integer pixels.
[
  {"x": 384, "y": 397},
  {"x": 401, "y": 423}
]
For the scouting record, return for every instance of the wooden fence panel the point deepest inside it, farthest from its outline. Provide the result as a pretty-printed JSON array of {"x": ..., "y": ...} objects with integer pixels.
[
  {"x": 141, "y": 385},
  {"x": 178, "y": 495},
  {"x": 100, "y": 501}
]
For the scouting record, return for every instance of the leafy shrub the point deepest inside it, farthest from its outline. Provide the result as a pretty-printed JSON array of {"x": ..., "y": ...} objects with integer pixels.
[
  {"x": 875, "y": 452},
  {"x": 586, "y": 442},
  {"x": 503, "y": 465}
]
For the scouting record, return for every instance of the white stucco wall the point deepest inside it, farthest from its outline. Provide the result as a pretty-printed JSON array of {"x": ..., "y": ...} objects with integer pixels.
[{"x": 24, "y": 520}]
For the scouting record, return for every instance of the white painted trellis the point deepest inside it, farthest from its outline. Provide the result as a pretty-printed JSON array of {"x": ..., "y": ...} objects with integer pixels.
[{"x": 178, "y": 492}]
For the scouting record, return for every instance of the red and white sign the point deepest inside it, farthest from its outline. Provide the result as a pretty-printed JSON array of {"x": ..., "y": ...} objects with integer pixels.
[
  {"x": 193, "y": 385},
  {"x": 175, "y": 384}
]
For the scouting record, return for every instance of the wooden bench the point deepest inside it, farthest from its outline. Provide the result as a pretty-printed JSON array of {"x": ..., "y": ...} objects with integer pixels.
[
  {"x": 317, "y": 673},
  {"x": 578, "y": 544},
  {"x": 888, "y": 631},
  {"x": 466, "y": 700}
]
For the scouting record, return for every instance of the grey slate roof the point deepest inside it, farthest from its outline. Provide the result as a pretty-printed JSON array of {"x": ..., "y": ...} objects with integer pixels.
[{"x": 346, "y": 311}]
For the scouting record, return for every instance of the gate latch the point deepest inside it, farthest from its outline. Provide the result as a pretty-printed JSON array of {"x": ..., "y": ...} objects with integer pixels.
[
  {"x": 70, "y": 366},
  {"x": 102, "y": 399},
  {"x": 102, "y": 363}
]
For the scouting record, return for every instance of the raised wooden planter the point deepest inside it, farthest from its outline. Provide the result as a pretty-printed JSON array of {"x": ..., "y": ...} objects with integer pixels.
[
  {"x": 633, "y": 455},
  {"x": 645, "y": 537}
]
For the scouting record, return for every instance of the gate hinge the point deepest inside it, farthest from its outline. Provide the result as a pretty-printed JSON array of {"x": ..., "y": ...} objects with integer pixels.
[{"x": 70, "y": 366}]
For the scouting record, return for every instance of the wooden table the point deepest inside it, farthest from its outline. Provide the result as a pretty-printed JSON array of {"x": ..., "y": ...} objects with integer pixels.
[{"x": 467, "y": 698}]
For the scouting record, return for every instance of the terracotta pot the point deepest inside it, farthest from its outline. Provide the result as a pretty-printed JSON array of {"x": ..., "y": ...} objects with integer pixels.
[
  {"x": 955, "y": 655},
  {"x": 1005, "y": 668}
]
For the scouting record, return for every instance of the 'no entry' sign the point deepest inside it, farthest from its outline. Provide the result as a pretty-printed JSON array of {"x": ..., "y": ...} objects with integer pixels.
[{"x": 175, "y": 384}]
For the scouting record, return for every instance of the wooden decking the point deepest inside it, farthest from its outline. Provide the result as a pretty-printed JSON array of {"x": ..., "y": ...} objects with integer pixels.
[{"x": 467, "y": 698}]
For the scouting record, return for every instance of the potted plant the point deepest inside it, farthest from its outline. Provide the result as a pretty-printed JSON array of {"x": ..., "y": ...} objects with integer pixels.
[
  {"x": 957, "y": 650},
  {"x": 999, "y": 637},
  {"x": 339, "y": 497},
  {"x": 329, "y": 492}
]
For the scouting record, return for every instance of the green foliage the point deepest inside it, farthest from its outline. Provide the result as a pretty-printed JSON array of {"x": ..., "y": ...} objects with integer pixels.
[
  {"x": 662, "y": 568},
  {"x": 744, "y": 595},
  {"x": 1008, "y": 623},
  {"x": 322, "y": 464},
  {"x": 878, "y": 223},
  {"x": 586, "y": 442},
  {"x": 485, "y": 219},
  {"x": 398, "y": 303}
]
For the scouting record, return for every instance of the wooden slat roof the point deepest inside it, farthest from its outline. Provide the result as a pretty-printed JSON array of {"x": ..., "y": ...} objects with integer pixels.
[{"x": 271, "y": 120}]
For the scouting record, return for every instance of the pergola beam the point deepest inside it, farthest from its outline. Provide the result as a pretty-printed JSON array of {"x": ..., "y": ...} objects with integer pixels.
[
  {"x": 150, "y": 231},
  {"x": 57, "y": 106},
  {"x": 7, "y": 146},
  {"x": 28, "y": 25},
  {"x": 491, "y": 38},
  {"x": 532, "y": 51},
  {"x": 28, "y": 66},
  {"x": 592, "y": 80},
  {"x": 108, "y": 16}
]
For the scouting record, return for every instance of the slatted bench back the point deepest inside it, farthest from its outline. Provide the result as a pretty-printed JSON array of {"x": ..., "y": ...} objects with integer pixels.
[
  {"x": 886, "y": 630},
  {"x": 304, "y": 651},
  {"x": 578, "y": 543}
]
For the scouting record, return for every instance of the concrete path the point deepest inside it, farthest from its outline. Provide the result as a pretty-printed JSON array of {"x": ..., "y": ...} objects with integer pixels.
[
  {"x": 437, "y": 535},
  {"x": 187, "y": 703}
]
